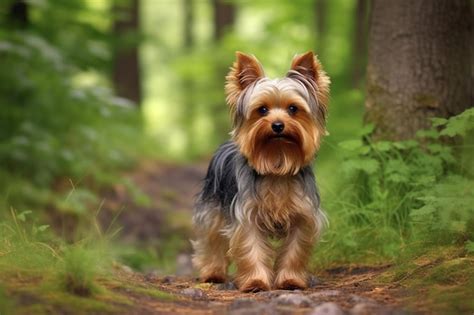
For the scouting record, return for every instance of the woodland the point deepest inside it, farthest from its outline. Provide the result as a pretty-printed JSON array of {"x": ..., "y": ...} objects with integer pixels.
[{"x": 110, "y": 111}]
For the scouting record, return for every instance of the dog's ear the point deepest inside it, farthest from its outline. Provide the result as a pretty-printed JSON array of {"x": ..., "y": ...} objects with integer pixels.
[
  {"x": 245, "y": 71},
  {"x": 306, "y": 64},
  {"x": 310, "y": 68}
]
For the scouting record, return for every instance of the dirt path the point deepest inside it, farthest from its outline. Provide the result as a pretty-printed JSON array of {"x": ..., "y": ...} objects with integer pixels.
[
  {"x": 171, "y": 190},
  {"x": 345, "y": 292}
]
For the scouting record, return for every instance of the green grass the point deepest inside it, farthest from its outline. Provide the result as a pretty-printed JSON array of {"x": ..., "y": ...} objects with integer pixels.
[
  {"x": 153, "y": 293},
  {"x": 440, "y": 278}
]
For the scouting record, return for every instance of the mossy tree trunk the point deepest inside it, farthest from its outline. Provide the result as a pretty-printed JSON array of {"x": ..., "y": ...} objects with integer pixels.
[{"x": 419, "y": 64}]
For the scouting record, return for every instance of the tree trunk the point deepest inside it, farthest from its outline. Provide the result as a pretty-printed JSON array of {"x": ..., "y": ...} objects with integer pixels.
[
  {"x": 188, "y": 84},
  {"x": 419, "y": 64},
  {"x": 224, "y": 17},
  {"x": 320, "y": 8},
  {"x": 18, "y": 14},
  {"x": 126, "y": 68},
  {"x": 224, "y": 20},
  {"x": 359, "y": 48}
]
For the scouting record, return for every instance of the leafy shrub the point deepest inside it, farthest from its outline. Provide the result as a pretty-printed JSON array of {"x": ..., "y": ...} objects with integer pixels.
[{"x": 397, "y": 192}]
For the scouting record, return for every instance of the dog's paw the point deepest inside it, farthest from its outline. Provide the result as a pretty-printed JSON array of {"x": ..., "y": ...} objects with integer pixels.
[
  {"x": 291, "y": 284},
  {"x": 254, "y": 285},
  {"x": 290, "y": 280},
  {"x": 214, "y": 278}
]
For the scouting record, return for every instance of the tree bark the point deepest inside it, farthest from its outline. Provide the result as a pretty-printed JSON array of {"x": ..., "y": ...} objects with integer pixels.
[
  {"x": 126, "y": 68},
  {"x": 224, "y": 18},
  {"x": 419, "y": 64},
  {"x": 18, "y": 14},
  {"x": 188, "y": 84},
  {"x": 320, "y": 9},
  {"x": 359, "y": 47}
]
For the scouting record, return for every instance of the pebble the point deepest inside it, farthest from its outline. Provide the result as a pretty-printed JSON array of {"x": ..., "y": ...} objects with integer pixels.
[
  {"x": 313, "y": 281},
  {"x": 226, "y": 286},
  {"x": 273, "y": 293},
  {"x": 246, "y": 306},
  {"x": 360, "y": 299},
  {"x": 373, "y": 308},
  {"x": 292, "y": 299},
  {"x": 328, "y": 308},
  {"x": 194, "y": 293},
  {"x": 243, "y": 303},
  {"x": 321, "y": 295},
  {"x": 168, "y": 279}
]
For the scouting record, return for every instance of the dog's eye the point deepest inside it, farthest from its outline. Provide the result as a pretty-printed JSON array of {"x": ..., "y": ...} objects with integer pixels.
[
  {"x": 292, "y": 109},
  {"x": 263, "y": 110}
]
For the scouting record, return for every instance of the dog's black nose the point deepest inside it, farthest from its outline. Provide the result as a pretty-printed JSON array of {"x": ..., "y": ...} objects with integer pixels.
[{"x": 278, "y": 126}]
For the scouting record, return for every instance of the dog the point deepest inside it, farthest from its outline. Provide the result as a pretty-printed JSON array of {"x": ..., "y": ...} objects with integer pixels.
[{"x": 260, "y": 188}]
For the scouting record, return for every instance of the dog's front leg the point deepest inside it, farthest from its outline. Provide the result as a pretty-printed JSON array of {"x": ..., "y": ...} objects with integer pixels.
[
  {"x": 253, "y": 254},
  {"x": 294, "y": 254}
]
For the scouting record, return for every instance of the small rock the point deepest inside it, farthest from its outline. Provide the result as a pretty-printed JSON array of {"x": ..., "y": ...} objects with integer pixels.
[
  {"x": 243, "y": 303},
  {"x": 271, "y": 294},
  {"x": 245, "y": 306},
  {"x": 328, "y": 308},
  {"x": 168, "y": 279},
  {"x": 360, "y": 299},
  {"x": 226, "y": 286},
  {"x": 254, "y": 310},
  {"x": 299, "y": 300},
  {"x": 194, "y": 293},
  {"x": 369, "y": 309},
  {"x": 322, "y": 295},
  {"x": 313, "y": 281}
]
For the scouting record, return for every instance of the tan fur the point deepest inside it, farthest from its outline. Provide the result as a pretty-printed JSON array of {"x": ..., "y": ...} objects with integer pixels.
[
  {"x": 253, "y": 256},
  {"x": 308, "y": 65},
  {"x": 245, "y": 70},
  {"x": 278, "y": 156},
  {"x": 294, "y": 254},
  {"x": 211, "y": 248},
  {"x": 280, "y": 207}
]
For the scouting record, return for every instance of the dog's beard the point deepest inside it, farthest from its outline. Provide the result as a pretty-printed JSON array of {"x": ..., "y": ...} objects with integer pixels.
[{"x": 276, "y": 154}]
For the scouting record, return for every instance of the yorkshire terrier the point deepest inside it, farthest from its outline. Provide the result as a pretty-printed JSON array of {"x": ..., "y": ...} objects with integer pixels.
[{"x": 260, "y": 185}]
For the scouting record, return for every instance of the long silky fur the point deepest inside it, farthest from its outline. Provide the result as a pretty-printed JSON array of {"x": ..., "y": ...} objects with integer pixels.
[{"x": 240, "y": 205}]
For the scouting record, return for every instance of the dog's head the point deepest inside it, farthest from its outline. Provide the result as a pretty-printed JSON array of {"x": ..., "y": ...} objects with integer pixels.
[{"x": 278, "y": 123}]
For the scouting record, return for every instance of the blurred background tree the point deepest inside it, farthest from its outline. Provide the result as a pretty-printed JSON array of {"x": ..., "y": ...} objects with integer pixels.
[{"x": 126, "y": 64}]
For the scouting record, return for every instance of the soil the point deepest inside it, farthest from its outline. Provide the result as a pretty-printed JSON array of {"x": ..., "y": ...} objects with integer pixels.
[{"x": 171, "y": 189}]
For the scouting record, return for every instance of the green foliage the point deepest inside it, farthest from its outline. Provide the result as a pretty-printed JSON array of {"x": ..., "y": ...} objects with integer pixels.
[
  {"x": 51, "y": 126},
  {"x": 79, "y": 269},
  {"x": 6, "y": 306},
  {"x": 192, "y": 79},
  {"x": 63, "y": 133},
  {"x": 402, "y": 192},
  {"x": 28, "y": 248}
]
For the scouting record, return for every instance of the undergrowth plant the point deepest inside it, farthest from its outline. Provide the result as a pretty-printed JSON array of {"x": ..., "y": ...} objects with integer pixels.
[
  {"x": 30, "y": 251},
  {"x": 400, "y": 195}
]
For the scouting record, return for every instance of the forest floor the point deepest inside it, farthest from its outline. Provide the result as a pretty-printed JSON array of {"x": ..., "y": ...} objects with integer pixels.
[
  {"x": 163, "y": 213},
  {"x": 171, "y": 189}
]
